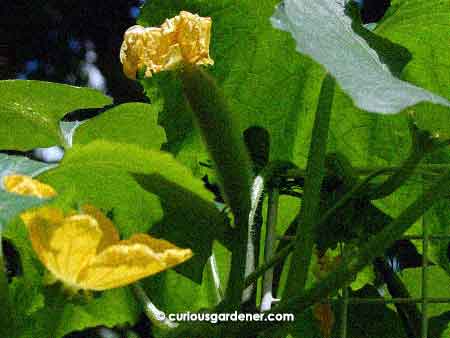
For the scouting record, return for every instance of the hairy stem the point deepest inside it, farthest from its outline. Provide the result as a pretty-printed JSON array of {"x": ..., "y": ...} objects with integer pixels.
[{"x": 226, "y": 147}]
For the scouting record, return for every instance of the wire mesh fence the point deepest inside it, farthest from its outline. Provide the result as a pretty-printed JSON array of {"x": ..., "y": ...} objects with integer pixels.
[{"x": 424, "y": 300}]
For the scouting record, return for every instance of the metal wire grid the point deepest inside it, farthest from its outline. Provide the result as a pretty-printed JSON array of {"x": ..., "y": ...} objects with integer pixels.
[{"x": 424, "y": 299}]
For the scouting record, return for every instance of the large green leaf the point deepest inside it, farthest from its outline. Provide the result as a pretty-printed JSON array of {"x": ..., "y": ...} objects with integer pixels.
[
  {"x": 30, "y": 111},
  {"x": 61, "y": 316},
  {"x": 134, "y": 123},
  {"x": 323, "y": 30},
  {"x": 422, "y": 27},
  {"x": 374, "y": 140},
  {"x": 100, "y": 173},
  {"x": 97, "y": 174}
]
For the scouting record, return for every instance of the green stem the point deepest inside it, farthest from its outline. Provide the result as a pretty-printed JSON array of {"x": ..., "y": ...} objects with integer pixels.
[
  {"x": 427, "y": 168},
  {"x": 277, "y": 258},
  {"x": 422, "y": 144},
  {"x": 397, "y": 179},
  {"x": 431, "y": 169},
  {"x": 156, "y": 316},
  {"x": 226, "y": 147},
  {"x": 315, "y": 170}
]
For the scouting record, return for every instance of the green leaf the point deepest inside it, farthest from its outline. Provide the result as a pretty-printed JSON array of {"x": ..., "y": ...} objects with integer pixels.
[
  {"x": 134, "y": 123},
  {"x": 100, "y": 173},
  {"x": 189, "y": 220},
  {"x": 436, "y": 277},
  {"x": 97, "y": 174},
  {"x": 174, "y": 293},
  {"x": 31, "y": 111},
  {"x": 114, "y": 307},
  {"x": 365, "y": 276},
  {"x": 10, "y": 164},
  {"x": 62, "y": 316},
  {"x": 430, "y": 54},
  {"x": 12, "y": 204},
  {"x": 324, "y": 31}
]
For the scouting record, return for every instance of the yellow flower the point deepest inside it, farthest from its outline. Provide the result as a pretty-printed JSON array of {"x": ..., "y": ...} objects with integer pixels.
[
  {"x": 84, "y": 250},
  {"x": 25, "y": 185},
  {"x": 182, "y": 39}
]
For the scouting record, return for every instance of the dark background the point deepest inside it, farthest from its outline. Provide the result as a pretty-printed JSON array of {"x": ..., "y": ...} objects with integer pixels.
[{"x": 75, "y": 41}]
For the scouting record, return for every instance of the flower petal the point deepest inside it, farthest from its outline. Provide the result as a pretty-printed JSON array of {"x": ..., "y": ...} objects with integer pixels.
[
  {"x": 110, "y": 234},
  {"x": 41, "y": 224},
  {"x": 25, "y": 185},
  {"x": 75, "y": 243},
  {"x": 184, "y": 38},
  {"x": 194, "y": 35},
  {"x": 131, "y": 260},
  {"x": 64, "y": 245}
]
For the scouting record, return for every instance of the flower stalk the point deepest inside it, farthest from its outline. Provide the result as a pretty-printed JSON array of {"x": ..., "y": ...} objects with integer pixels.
[{"x": 226, "y": 147}]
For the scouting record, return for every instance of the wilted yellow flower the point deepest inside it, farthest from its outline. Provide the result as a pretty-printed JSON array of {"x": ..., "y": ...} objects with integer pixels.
[
  {"x": 325, "y": 316},
  {"x": 323, "y": 312},
  {"x": 25, "y": 185},
  {"x": 84, "y": 250},
  {"x": 182, "y": 39}
]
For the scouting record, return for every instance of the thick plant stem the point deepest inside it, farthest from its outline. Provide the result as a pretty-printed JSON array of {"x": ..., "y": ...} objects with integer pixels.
[
  {"x": 226, "y": 147},
  {"x": 269, "y": 246},
  {"x": 315, "y": 170},
  {"x": 337, "y": 279}
]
